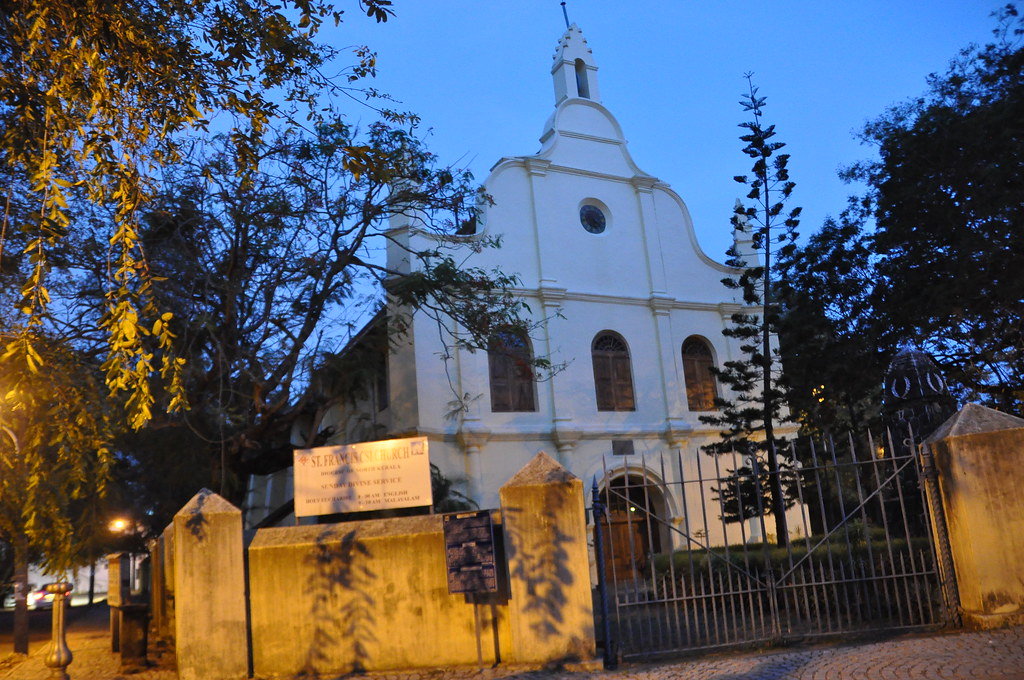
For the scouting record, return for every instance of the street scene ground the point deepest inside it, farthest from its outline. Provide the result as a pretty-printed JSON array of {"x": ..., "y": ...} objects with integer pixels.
[{"x": 992, "y": 655}]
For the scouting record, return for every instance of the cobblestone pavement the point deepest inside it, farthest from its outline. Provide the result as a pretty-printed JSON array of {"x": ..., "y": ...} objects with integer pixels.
[{"x": 993, "y": 655}]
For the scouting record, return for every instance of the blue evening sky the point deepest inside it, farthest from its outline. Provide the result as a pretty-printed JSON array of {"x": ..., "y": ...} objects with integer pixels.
[{"x": 478, "y": 73}]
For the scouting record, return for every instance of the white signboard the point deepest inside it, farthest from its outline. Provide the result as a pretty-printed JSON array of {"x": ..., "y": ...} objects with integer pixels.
[{"x": 394, "y": 473}]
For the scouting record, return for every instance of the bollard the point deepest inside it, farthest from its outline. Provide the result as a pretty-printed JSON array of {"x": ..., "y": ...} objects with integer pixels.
[{"x": 58, "y": 656}]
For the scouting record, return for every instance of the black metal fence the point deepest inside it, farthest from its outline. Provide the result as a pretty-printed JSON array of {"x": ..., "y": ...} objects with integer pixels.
[{"x": 688, "y": 559}]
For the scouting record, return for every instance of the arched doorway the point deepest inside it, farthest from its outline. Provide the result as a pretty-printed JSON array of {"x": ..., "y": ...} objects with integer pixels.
[{"x": 633, "y": 533}]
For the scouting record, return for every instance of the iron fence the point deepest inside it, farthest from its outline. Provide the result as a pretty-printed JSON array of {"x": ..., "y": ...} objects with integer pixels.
[{"x": 688, "y": 561}]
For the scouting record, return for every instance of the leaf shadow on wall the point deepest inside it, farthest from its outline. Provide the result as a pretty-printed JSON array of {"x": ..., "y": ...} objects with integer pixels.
[
  {"x": 541, "y": 563},
  {"x": 342, "y": 606},
  {"x": 196, "y": 522}
]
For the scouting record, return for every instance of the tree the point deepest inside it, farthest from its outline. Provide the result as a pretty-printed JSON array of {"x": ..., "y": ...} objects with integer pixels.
[
  {"x": 750, "y": 415},
  {"x": 268, "y": 269},
  {"x": 833, "y": 357},
  {"x": 54, "y": 454},
  {"x": 99, "y": 96},
  {"x": 949, "y": 223}
]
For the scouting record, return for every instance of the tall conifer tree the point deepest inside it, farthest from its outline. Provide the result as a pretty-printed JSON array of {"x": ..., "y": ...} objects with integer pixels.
[{"x": 749, "y": 416}]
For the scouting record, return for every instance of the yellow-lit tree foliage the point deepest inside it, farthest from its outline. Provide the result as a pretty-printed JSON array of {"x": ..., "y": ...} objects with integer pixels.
[
  {"x": 55, "y": 427},
  {"x": 97, "y": 96}
]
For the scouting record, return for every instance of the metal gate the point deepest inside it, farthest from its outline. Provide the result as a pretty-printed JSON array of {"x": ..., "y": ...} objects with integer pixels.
[{"x": 686, "y": 560}]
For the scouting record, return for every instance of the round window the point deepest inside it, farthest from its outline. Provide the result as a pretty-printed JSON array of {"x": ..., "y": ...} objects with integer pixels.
[{"x": 592, "y": 219}]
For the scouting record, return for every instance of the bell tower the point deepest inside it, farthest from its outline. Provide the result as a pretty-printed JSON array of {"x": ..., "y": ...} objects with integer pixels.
[{"x": 573, "y": 71}]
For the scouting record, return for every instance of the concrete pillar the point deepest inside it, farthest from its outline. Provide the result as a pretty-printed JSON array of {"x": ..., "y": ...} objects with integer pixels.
[
  {"x": 134, "y": 638},
  {"x": 157, "y": 592},
  {"x": 565, "y": 440},
  {"x": 211, "y": 623},
  {"x": 117, "y": 591},
  {"x": 165, "y": 626},
  {"x": 473, "y": 438},
  {"x": 980, "y": 477},
  {"x": 551, "y": 610}
]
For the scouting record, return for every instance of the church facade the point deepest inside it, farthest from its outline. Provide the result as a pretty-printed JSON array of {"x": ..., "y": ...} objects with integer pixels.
[{"x": 623, "y": 299}]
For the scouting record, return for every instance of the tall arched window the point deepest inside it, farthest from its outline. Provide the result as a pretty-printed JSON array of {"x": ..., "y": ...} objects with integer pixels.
[
  {"x": 613, "y": 377},
  {"x": 510, "y": 363},
  {"x": 700, "y": 381}
]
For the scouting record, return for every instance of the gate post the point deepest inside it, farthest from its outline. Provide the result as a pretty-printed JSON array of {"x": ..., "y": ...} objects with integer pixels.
[
  {"x": 979, "y": 480},
  {"x": 940, "y": 532},
  {"x": 551, "y": 612},
  {"x": 598, "y": 511},
  {"x": 211, "y": 621}
]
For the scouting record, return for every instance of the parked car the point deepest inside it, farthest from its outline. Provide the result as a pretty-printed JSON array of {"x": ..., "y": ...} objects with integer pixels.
[
  {"x": 37, "y": 598},
  {"x": 40, "y": 599}
]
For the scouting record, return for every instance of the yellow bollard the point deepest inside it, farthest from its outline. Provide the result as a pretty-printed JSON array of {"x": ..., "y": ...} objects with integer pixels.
[{"x": 59, "y": 655}]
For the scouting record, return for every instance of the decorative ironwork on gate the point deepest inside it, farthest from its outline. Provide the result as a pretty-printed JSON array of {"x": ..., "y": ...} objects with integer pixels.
[{"x": 687, "y": 563}]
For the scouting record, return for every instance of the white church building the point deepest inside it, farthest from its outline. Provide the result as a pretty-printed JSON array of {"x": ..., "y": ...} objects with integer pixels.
[{"x": 624, "y": 299}]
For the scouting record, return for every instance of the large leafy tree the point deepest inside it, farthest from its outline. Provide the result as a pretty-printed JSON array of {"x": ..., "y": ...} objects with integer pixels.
[
  {"x": 55, "y": 430},
  {"x": 99, "y": 96},
  {"x": 831, "y": 343},
  {"x": 103, "y": 101},
  {"x": 265, "y": 270},
  {"x": 946, "y": 195},
  {"x": 749, "y": 416}
]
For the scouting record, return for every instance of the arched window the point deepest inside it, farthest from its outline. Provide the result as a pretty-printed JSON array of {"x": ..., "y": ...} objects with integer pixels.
[
  {"x": 613, "y": 378},
  {"x": 700, "y": 381},
  {"x": 511, "y": 370},
  {"x": 582, "y": 86}
]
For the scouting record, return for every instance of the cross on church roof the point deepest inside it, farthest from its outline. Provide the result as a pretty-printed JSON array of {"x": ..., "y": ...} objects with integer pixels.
[{"x": 565, "y": 14}]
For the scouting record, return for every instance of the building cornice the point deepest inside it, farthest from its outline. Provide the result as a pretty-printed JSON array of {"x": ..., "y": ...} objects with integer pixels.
[
  {"x": 578, "y": 434},
  {"x": 657, "y": 301}
]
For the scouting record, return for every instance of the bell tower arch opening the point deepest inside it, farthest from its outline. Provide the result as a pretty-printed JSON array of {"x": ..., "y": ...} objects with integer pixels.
[{"x": 582, "y": 84}]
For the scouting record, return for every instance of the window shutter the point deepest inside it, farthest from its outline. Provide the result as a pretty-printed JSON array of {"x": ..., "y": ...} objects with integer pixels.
[
  {"x": 500, "y": 397},
  {"x": 511, "y": 374},
  {"x": 623, "y": 383},
  {"x": 522, "y": 382},
  {"x": 613, "y": 379},
  {"x": 603, "y": 382},
  {"x": 700, "y": 381}
]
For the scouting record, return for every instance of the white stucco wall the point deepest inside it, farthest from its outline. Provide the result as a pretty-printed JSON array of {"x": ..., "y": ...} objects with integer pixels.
[{"x": 644, "y": 277}]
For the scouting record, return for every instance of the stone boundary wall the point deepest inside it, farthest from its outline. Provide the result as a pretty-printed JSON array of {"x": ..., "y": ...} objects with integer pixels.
[
  {"x": 363, "y": 596},
  {"x": 324, "y": 600}
]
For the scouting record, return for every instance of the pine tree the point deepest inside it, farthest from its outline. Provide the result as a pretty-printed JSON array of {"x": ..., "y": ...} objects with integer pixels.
[{"x": 749, "y": 417}]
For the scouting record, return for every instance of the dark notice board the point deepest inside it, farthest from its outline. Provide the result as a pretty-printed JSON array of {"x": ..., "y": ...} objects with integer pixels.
[{"x": 469, "y": 552}]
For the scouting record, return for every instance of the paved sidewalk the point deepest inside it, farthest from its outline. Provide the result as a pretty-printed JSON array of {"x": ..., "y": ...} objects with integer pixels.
[
  {"x": 994, "y": 655},
  {"x": 89, "y": 640}
]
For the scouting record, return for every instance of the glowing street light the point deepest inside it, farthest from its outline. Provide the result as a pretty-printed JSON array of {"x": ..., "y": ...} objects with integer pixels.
[{"x": 118, "y": 525}]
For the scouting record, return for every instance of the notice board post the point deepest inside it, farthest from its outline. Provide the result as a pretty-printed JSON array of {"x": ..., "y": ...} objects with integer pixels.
[{"x": 471, "y": 556}]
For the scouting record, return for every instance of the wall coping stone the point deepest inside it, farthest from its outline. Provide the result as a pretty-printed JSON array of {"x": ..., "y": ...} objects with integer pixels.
[
  {"x": 206, "y": 502},
  {"x": 541, "y": 470},
  {"x": 367, "y": 529},
  {"x": 975, "y": 419}
]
